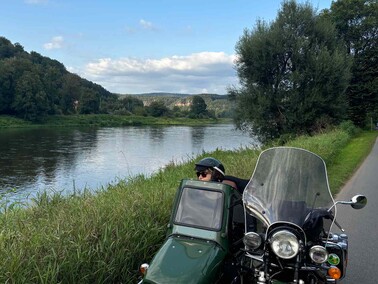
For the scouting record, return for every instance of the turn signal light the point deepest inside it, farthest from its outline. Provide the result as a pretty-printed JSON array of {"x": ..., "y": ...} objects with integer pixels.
[
  {"x": 334, "y": 273},
  {"x": 333, "y": 259},
  {"x": 143, "y": 268}
]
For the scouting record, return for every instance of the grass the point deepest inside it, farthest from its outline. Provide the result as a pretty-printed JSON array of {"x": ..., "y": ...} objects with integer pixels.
[
  {"x": 10, "y": 121},
  {"x": 103, "y": 237},
  {"x": 349, "y": 158},
  {"x": 103, "y": 120}
]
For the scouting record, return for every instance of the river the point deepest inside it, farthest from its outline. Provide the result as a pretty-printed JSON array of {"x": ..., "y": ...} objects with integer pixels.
[{"x": 71, "y": 159}]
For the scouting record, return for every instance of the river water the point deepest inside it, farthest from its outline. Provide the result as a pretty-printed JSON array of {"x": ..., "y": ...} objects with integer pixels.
[{"x": 71, "y": 159}]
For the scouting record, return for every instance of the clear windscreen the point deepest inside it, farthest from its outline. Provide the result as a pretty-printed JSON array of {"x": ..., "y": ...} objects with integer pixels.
[
  {"x": 287, "y": 185},
  {"x": 200, "y": 208}
]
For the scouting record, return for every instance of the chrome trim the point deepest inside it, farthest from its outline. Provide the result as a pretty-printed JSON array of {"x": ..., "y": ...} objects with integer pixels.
[{"x": 255, "y": 257}]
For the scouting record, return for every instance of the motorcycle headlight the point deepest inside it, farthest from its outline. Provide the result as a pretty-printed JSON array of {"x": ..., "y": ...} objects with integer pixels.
[
  {"x": 284, "y": 244},
  {"x": 318, "y": 254},
  {"x": 252, "y": 240}
]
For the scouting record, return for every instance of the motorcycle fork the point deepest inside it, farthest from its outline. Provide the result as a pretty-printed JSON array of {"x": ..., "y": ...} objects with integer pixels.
[
  {"x": 296, "y": 269},
  {"x": 263, "y": 275}
]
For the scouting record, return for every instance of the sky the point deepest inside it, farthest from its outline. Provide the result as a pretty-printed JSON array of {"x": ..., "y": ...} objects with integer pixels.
[{"x": 140, "y": 46}]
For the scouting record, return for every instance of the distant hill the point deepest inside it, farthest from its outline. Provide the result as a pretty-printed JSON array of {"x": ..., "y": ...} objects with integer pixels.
[
  {"x": 175, "y": 95},
  {"x": 33, "y": 87},
  {"x": 161, "y": 94},
  {"x": 219, "y": 104}
]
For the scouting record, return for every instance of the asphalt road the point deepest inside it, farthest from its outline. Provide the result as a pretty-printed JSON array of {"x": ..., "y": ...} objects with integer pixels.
[{"x": 361, "y": 226}]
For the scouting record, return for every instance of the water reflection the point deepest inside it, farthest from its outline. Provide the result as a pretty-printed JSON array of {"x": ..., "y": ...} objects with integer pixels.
[
  {"x": 198, "y": 134},
  {"x": 156, "y": 134},
  {"x": 31, "y": 159},
  {"x": 67, "y": 159}
]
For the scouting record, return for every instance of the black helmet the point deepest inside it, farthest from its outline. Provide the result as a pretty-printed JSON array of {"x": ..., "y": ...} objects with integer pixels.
[{"x": 211, "y": 163}]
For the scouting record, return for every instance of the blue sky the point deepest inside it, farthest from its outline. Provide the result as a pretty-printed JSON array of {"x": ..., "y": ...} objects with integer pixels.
[{"x": 140, "y": 46}]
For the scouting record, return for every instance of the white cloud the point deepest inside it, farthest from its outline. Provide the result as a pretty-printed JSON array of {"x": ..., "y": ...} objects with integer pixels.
[
  {"x": 210, "y": 72},
  {"x": 147, "y": 25},
  {"x": 55, "y": 43},
  {"x": 196, "y": 62}
]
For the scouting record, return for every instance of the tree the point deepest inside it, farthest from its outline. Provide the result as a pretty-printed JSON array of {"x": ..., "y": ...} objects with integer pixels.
[
  {"x": 7, "y": 85},
  {"x": 131, "y": 103},
  {"x": 13, "y": 70},
  {"x": 52, "y": 81},
  {"x": 157, "y": 108},
  {"x": 8, "y": 50},
  {"x": 198, "y": 108},
  {"x": 89, "y": 101},
  {"x": 69, "y": 93},
  {"x": 293, "y": 74},
  {"x": 30, "y": 99},
  {"x": 357, "y": 24}
]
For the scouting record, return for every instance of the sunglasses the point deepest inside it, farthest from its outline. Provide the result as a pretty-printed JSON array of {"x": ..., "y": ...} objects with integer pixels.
[{"x": 202, "y": 174}]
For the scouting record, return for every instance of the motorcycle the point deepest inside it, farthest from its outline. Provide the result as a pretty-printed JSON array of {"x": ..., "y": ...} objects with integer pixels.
[
  {"x": 279, "y": 230},
  {"x": 289, "y": 194}
]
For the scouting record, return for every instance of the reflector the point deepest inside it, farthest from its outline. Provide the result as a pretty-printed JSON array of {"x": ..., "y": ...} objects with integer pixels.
[
  {"x": 334, "y": 273},
  {"x": 333, "y": 259}
]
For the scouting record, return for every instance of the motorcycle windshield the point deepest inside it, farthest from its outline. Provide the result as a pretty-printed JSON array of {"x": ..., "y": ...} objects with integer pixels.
[{"x": 287, "y": 184}]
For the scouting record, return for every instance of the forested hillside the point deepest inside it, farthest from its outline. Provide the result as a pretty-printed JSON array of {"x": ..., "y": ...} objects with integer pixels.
[{"x": 33, "y": 86}]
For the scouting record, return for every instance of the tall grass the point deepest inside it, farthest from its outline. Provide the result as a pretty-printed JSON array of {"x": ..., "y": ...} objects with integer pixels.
[
  {"x": 103, "y": 237},
  {"x": 103, "y": 120},
  {"x": 10, "y": 121}
]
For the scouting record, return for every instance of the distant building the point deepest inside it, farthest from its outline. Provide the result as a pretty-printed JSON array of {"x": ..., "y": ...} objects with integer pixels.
[{"x": 183, "y": 103}]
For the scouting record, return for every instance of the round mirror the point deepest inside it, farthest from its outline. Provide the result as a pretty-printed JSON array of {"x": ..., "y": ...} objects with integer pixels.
[{"x": 358, "y": 201}]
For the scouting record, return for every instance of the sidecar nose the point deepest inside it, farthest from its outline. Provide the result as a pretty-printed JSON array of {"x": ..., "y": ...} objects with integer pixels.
[{"x": 183, "y": 260}]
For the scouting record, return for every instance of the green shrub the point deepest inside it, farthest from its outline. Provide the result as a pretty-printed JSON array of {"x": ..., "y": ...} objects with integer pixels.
[{"x": 349, "y": 127}]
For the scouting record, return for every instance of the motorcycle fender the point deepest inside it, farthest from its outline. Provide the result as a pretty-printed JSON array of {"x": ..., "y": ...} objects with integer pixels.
[{"x": 184, "y": 260}]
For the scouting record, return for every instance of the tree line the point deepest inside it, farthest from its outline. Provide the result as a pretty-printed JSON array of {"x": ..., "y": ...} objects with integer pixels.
[
  {"x": 33, "y": 86},
  {"x": 305, "y": 70}
]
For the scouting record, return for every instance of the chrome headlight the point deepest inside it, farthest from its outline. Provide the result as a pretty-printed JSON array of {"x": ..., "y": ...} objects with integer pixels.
[
  {"x": 318, "y": 254},
  {"x": 284, "y": 244},
  {"x": 252, "y": 240}
]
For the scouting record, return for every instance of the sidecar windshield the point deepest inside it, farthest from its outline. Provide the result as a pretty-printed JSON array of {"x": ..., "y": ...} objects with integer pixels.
[
  {"x": 201, "y": 208},
  {"x": 287, "y": 184}
]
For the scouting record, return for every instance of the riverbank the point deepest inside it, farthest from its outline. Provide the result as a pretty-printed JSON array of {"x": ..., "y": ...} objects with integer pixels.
[
  {"x": 68, "y": 159},
  {"x": 103, "y": 237},
  {"x": 104, "y": 120}
]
